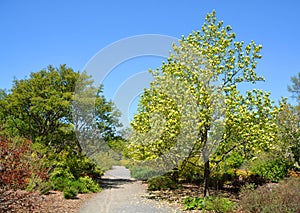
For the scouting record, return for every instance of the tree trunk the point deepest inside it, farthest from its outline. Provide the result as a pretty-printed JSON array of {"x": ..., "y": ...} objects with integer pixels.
[
  {"x": 205, "y": 155},
  {"x": 206, "y": 177}
]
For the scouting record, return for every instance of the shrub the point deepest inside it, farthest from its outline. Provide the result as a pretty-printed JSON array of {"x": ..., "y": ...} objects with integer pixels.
[
  {"x": 191, "y": 203},
  {"x": 191, "y": 173},
  {"x": 162, "y": 182},
  {"x": 271, "y": 168},
  {"x": 45, "y": 187},
  {"x": 86, "y": 185},
  {"x": 70, "y": 192},
  {"x": 82, "y": 185},
  {"x": 215, "y": 204},
  {"x": 281, "y": 197},
  {"x": 61, "y": 179},
  {"x": 143, "y": 173},
  {"x": 60, "y": 183},
  {"x": 17, "y": 165},
  {"x": 36, "y": 183},
  {"x": 76, "y": 171},
  {"x": 77, "y": 164}
]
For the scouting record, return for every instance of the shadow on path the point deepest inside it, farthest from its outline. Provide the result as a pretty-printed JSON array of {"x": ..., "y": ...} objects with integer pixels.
[
  {"x": 123, "y": 194},
  {"x": 108, "y": 183}
]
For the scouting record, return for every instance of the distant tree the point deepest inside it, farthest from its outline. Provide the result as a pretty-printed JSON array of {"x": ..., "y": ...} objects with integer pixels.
[
  {"x": 295, "y": 87},
  {"x": 2, "y": 94},
  {"x": 41, "y": 107},
  {"x": 288, "y": 120},
  {"x": 2, "y": 115}
]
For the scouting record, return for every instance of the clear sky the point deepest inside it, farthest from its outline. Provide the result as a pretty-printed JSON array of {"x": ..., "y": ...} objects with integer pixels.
[{"x": 37, "y": 33}]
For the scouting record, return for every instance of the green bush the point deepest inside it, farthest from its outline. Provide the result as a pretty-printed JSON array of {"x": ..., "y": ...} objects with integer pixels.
[
  {"x": 215, "y": 204},
  {"x": 191, "y": 173},
  {"x": 271, "y": 168},
  {"x": 220, "y": 205},
  {"x": 60, "y": 183},
  {"x": 70, "y": 192},
  {"x": 162, "y": 182},
  {"x": 75, "y": 171},
  {"x": 66, "y": 180},
  {"x": 33, "y": 183},
  {"x": 272, "y": 198},
  {"x": 143, "y": 173},
  {"x": 87, "y": 185},
  {"x": 45, "y": 187}
]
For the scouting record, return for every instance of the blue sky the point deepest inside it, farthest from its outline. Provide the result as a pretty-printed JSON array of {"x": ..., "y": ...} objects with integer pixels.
[{"x": 37, "y": 33}]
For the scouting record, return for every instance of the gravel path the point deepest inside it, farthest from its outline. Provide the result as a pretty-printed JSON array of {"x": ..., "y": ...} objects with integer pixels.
[{"x": 123, "y": 194}]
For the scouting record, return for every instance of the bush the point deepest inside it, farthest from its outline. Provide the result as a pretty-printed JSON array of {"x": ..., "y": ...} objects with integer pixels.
[
  {"x": 77, "y": 165},
  {"x": 61, "y": 179},
  {"x": 143, "y": 173},
  {"x": 281, "y": 197},
  {"x": 70, "y": 192},
  {"x": 17, "y": 165},
  {"x": 271, "y": 168},
  {"x": 191, "y": 173},
  {"x": 87, "y": 185},
  {"x": 45, "y": 187},
  {"x": 215, "y": 204},
  {"x": 75, "y": 171},
  {"x": 65, "y": 180},
  {"x": 162, "y": 182}
]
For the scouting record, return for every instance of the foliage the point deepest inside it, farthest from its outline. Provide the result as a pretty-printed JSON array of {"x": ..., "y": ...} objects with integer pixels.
[
  {"x": 281, "y": 197},
  {"x": 35, "y": 183},
  {"x": 196, "y": 116},
  {"x": 70, "y": 192},
  {"x": 17, "y": 165},
  {"x": 45, "y": 110},
  {"x": 161, "y": 183},
  {"x": 76, "y": 164},
  {"x": 87, "y": 184},
  {"x": 75, "y": 170},
  {"x": 41, "y": 108},
  {"x": 105, "y": 160},
  {"x": 192, "y": 171},
  {"x": 38, "y": 107},
  {"x": 142, "y": 172},
  {"x": 288, "y": 120},
  {"x": 271, "y": 168},
  {"x": 45, "y": 187},
  {"x": 215, "y": 204},
  {"x": 295, "y": 87},
  {"x": 83, "y": 185}
]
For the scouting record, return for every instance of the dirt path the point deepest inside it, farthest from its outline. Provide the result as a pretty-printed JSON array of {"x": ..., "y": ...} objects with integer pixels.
[{"x": 123, "y": 194}]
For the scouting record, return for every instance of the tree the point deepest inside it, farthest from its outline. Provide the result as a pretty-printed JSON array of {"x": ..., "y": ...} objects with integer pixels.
[
  {"x": 186, "y": 113},
  {"x": 41, "y": 107},
  {"x": 288, "y": 121},
  {"x": 2, "y": 115},
  {"x": 295, "y": 87}
]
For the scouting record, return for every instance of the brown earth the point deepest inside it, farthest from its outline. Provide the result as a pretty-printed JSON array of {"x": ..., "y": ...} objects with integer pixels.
[{"x": 22, "y": 201}]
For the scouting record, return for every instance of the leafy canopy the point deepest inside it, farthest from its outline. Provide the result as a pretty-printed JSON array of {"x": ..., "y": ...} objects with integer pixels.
[
  {"x": 41, "y": 107},
  {"x": 193, "y": 107}
]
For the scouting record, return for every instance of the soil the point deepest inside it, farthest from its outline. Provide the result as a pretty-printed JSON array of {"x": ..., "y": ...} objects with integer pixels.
[
  {"x": 176, "y": 196},
  {"x": 22, "y": 202}
]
